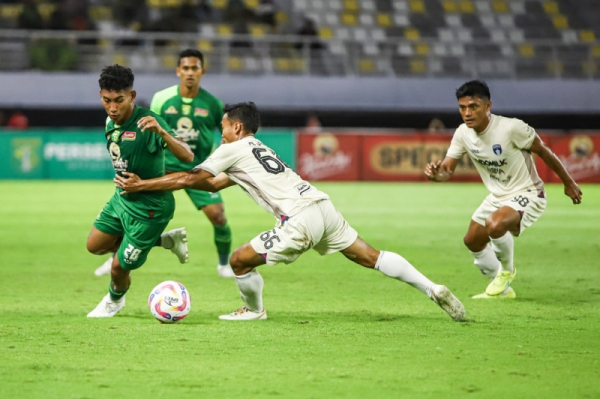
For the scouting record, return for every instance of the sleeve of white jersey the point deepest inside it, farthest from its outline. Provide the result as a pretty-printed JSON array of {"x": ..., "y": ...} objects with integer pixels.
[
  {"x": 220, "y": 160},
  {"x": 457, "y": 149},
  {"x": 522, "y": 135}
]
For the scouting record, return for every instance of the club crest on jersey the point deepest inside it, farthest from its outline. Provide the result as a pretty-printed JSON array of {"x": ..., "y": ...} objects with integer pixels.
[
  {"x": 171, "y": 110},
  {"x": 186, "y": 109},
  {"x": 128, "y": 136},
  {"x": 115, "y": 135},
  {"x": 115, "y": 151},
  {"x": 497, "y": 149},
  {"x": 201, "y": 112}
]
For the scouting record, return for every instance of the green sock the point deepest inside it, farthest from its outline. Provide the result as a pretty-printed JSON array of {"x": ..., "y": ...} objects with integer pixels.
[
  {"x": 114, "y": 294},
  {"x": 223, "y": 242}
]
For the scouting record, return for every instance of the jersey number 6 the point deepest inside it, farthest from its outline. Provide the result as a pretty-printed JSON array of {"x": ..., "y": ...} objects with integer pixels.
[{"x": 272, "y": 163}]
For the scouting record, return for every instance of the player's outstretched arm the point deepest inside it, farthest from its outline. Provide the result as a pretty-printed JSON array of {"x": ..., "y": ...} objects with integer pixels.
[
  {"x": 572, "y": 190},
  {"x": 178, "y": 147},
  {"x": 441, "y": 171},
  {"x": 198, "y": 179}
]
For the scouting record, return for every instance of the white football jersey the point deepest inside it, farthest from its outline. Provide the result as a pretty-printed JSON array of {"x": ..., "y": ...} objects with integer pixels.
[
  {"x": 263, "y": 176},
  {"x": 500, "y": 154}
]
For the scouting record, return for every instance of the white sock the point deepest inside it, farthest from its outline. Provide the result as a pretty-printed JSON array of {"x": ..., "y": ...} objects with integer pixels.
[
  {"x": 504, "y": 247},
  {"x": 487, "y": 262},
  {"x": 166, "y": 241},
  {"x": 395, "y": 266},
  {"x": 251, "y": 286}
]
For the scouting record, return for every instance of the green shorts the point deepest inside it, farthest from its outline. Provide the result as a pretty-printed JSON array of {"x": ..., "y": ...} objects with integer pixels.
[
  {"x": 202, "y": 198},
  {"x": 138, "y": 237}
]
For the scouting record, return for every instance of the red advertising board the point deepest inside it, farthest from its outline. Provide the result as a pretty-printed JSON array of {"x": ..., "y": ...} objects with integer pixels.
[
  {"x": 330, "y": 157},
  {"x": 404, "y": 157},
  {"x": 580, "y": 153}
]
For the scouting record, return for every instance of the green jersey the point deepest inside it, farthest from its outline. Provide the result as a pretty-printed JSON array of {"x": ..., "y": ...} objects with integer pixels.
[
  {"x": 142, "y": 153},
  {"x": 193, "y": 119}
]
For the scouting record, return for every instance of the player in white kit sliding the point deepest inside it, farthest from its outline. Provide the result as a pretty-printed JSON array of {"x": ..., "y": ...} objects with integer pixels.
[
  {"x": 501, "y": 150},
  {"x": 305, "y": 216}
]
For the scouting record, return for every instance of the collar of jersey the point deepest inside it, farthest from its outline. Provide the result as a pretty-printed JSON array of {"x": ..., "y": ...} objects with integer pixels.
[{"x": 120, "y": 127}]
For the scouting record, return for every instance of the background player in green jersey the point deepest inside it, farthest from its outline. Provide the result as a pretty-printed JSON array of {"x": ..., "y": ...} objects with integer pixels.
[
  {"x": 130, "y": 225},
  {"x": 195, "y": 114}
]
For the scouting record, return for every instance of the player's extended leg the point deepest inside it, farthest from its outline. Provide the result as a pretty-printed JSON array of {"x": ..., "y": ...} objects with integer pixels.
[
  {"x": 222, "y": 236},
  {"x": 501, "y": 226},
  {"x": 395, "y": 266},
  {"x": 244, "y": 261},
  {"x": 114, "y": 301}
]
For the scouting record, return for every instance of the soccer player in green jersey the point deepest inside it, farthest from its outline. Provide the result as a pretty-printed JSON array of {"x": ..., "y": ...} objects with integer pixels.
[
  {"x": 195, "y": 114},
  {"x": 131, "y": 224}
]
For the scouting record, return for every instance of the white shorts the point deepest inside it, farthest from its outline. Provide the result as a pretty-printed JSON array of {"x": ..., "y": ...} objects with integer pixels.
[
  {"x": 529, "y": 204},
  {"x": 319, "y": 226}
]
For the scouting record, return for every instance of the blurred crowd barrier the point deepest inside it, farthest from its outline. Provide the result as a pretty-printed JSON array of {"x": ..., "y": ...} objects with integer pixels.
[{"x": 337, "y": 155}]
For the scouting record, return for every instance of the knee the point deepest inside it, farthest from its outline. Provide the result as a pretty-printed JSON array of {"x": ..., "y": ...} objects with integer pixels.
[
  {"x": 218, "y": 219},
  {"x": 495, "y": 228},
  {"x": 95, "y": 249},
  {"x": 235, "y": 262}
]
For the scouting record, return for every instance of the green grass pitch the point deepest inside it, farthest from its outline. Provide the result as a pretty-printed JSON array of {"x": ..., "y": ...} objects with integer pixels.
[{"x": 335, "y": 330}]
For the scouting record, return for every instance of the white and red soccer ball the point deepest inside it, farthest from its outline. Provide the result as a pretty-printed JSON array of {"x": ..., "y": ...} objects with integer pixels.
[{"x": 169, "y": 302}]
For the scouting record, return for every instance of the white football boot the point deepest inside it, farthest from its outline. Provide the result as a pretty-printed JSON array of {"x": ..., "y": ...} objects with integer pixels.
[
  {"x": 107, "y": 307},
  {"x": 447, "y": 301},
  {"x": 225, "y": 271},
  {"x": 180, "y": 247},
  {"x": 244, "y": 313},
  {"x": 105, "y": 267}
]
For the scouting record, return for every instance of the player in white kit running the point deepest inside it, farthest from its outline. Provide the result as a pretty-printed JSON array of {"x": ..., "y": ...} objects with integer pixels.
[
  {"x": 305, "y": 216},
  {"x": 501, "y": 150}
]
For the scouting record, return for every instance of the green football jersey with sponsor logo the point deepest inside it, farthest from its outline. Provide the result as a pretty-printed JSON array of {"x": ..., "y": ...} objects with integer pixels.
[
  {"x": 142, "y": 153},
  {"x": 193, "y": 119}
]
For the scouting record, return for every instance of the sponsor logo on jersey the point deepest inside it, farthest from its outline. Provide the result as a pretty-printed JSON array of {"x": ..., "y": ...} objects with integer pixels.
[
  {"x": 171, "y": 110},
  {"x": 201, "y": 112},
  {"x": 115, "y": 135},
  {"x": 474, "y": 151},
  {"x": 128, "y": 136},
  {"x": 186, "y": 109},
  {"x": 497, "y": 149}
]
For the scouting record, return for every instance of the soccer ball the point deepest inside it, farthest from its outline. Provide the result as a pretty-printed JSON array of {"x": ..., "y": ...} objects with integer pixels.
[{"x": 169, "y": 302}]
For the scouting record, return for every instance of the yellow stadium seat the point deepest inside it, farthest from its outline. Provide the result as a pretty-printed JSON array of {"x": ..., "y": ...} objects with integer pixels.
[
  {"x": 219, "y": 3},
  {"x": 120, "y": 59},
  {"x": 467, "y": 7},
  {"x": 449, "y": 6},
  {"x": 283, "y": 64},
  {"x": 422, "y": 49},
  {"x": 204, "y": 45},
  {"x": 349, "y": 19},
  {"x": 153, "y": 3},
  {"x": 526, "y": 50},
  {"x": 596, "y": 51},
  {"x": 171, "y": 3},
  {"x": 366, "y": 65},
  {"x": 252, "y": 4},
  {"x": 46, "y": 10},
  {"x": 560, "y": 22},
  {"x": 500, "y": 6},
  {"x": 224, "y": 30},
  {"x": 351, "y": 5},
  {"x": 169, "y": 61},
  {"x": 258, "y": 30},
  {"x": 555, "y": 67},
  {"x": 550, "y": 7},
  {"x": 417, "y": 66},
  {"x": 100, "y": 13},
  {"x": 412, "y": 34},
  {"x": 235, "y": 63},
  {"x": 10, "y": 11},
  {"x": 417, "y": 6},
  {"x": 587, "y": 36},
  {"x": 281, "y": 17},
  {"x": 384, "y": 19},
  {"x": 325, "y": 33}
]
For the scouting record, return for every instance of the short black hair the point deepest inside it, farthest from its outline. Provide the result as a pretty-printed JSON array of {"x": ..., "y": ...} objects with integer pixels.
[
  {"x": 246, "y": 113},
  {"x": 116, "y": 78},
  {"x": 190, "y": 52},
  {"x": 474, "y": 88}
]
